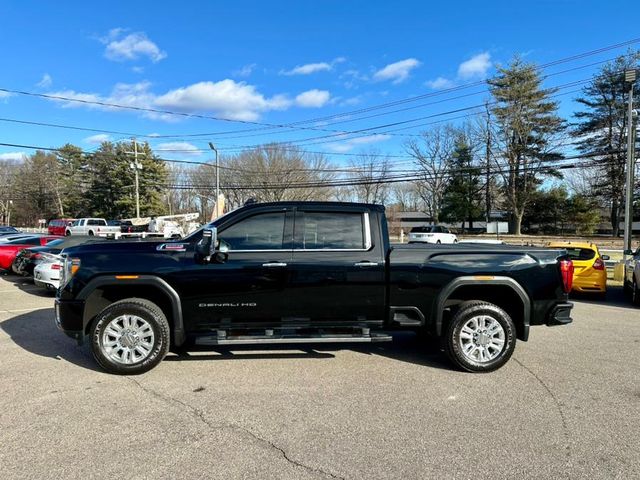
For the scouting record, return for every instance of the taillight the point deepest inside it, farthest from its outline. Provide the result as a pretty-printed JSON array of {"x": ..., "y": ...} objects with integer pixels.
[
  {"x": 598, "y": 264},
  {"x": 566, "y": 270},
  {"x": 55, "y": 266}
]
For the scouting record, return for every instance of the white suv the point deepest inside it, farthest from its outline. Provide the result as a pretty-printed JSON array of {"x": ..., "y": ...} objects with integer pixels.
[{"x": 432, "y": 234}]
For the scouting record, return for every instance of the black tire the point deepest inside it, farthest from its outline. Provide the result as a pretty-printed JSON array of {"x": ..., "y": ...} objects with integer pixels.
[
  {"x": 91, "y": 233},
  {"x": 438, "y": 242},
  {"x": 635, "y": 293},
  {"x": 67, "y": 233},
  {"x": 146, "y": 310},
  {"x": 452, "y": 336}
]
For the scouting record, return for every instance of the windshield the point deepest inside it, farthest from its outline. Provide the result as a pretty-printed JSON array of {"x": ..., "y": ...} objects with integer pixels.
[
  {"x": 197, "y": 233},
  {"x": 426, "y": 229},
  {"x": 53, "y": 243}
]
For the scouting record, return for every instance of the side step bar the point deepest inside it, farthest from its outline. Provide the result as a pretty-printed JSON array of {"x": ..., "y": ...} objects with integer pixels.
[{"x": 269, "y": 338}]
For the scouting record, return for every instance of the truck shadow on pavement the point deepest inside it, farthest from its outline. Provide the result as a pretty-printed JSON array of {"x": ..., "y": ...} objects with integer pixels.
[
  {"x": 36, "y": 333},
  {"x": 406, "y": 347}
]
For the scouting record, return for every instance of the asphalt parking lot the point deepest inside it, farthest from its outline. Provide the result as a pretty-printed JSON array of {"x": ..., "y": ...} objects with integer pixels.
[{"x": 566, "y": 406}]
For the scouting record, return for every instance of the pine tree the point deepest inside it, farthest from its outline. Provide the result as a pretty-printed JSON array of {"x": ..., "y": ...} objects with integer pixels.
[
  {"x": 601, "y": 130},
  {"x": 462, "y": 201},
  {"x": 111, "y": 193},
  {"x": 527, "y": 125}
]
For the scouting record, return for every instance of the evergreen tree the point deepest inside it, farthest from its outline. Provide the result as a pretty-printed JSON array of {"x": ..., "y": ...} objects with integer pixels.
[
  {"x": 527, "y": 125},
  {"x": 601, "y": 130},
  {"x": 111, "y": 193},
  {"x": 70, "y": 182},
  {"x": 461, "y": 201}
]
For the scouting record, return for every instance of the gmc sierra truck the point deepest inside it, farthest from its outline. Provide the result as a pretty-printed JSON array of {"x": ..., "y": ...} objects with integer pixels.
[{"x": 306, "y": 272}]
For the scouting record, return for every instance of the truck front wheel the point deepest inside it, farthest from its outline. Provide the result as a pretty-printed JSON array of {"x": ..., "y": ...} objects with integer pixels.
[
  {"x": 481, "y": 337},
  {"x": 130, "y": 336}
]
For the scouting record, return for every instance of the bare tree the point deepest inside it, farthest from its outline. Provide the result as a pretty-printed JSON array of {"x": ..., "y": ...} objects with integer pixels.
[
  {"x": 371, "y": 172},
  {"x": 276, "y": 172},
  {"x": 405, "y": 196},
  {"x": 432, "y": 153}
]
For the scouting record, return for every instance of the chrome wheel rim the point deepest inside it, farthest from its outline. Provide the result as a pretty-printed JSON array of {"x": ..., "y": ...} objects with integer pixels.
[
  {"x": 482, "y": 339},
  {"x": 127, "y": 339}
]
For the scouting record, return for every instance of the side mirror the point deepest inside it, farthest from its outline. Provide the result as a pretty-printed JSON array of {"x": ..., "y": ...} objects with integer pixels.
[
  {"x": 605, "y": 257},
  {"x": 206, "y": 247}
]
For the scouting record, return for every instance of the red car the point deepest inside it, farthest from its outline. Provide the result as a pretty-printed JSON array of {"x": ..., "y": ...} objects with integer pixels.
[
  {"x": 57, "y": 226},
  {"x": 9, "y": 250}
]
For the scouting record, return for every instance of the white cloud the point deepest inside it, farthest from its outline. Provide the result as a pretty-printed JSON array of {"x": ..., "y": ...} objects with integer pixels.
[
  {"x": 397, "y": 72},
  {"x": 227, "y": 99},
  {"x": 126, "y": 94},
  {"x": 313, "y": 98},
  {"x": 97, "y": 139},
  {"x": 5, "y": 95},
  {"x": 45, "y": 82},
  {"x": 230, "y": 99},
  {"x": 440, "y": 83},
  {"x": 137, "y": 69},
  {"x": 121, "y": 47},
  {"x": 476, "y": 67},
  {"x": 13, "y": 156},
  {"x": 185, "y": 149},
  {"x": 245, "y": 71},
  {"x": 309, "y": 68},
  {"x": 348, "y": 145}
]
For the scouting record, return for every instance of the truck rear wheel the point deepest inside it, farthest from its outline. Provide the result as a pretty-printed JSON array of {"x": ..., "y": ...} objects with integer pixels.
[
  {"x": 130, "y": 336},
  {"x": 481, "y": 337}
]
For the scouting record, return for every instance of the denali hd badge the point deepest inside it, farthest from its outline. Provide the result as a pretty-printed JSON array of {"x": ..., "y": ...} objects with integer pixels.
[{"x": 230, "y": 304}]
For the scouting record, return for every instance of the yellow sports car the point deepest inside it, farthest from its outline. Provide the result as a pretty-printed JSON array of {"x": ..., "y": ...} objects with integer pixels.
[{"x": 590, "y": 272}]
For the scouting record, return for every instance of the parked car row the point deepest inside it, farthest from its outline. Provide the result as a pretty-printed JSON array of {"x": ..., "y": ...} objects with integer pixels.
[
  {"x": 38, "y": 256},
  {"x": 632, "y": 275}
]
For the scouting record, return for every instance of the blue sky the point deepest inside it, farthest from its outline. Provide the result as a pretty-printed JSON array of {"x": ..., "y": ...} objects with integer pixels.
[{"x": 276, "y": 63}]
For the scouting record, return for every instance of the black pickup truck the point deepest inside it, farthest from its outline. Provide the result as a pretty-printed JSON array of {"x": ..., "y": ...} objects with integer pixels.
[{"x": 306, "y": 272}]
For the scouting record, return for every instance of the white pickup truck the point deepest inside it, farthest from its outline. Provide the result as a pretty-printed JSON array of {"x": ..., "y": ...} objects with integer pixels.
[{"x": 92, "y": 226}]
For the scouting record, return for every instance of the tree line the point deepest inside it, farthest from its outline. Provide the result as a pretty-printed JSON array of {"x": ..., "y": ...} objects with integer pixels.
[{"x": 519, "y": 159}]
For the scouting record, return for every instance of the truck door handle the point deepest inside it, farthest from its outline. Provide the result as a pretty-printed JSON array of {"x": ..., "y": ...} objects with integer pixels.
[
  {"x": 274, "y": 264},
  {"x": 365, "y": 264}
]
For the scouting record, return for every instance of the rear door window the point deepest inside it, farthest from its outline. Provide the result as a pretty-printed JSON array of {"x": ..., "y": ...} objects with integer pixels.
[{"x": 330, "y": 231}]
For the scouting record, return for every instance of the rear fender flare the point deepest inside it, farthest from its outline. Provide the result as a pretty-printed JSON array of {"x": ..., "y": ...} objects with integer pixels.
[
  {"x": 452, "y": 286},
  {"x": 150, "y": 280}
]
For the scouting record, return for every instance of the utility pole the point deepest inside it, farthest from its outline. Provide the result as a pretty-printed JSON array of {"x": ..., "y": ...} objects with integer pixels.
[
  {"x": 136, "y": 166},
  {"x": 212, "y": 147},
  {"x": 487, "y": 186},
  {"x": 630, "y": 78}
]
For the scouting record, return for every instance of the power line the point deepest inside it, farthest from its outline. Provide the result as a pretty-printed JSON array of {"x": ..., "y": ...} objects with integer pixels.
[{"x": 294, "y": 125}]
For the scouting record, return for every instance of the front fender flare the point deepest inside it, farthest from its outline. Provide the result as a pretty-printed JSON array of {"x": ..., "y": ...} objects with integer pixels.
[{"x": 152, "y": 280}]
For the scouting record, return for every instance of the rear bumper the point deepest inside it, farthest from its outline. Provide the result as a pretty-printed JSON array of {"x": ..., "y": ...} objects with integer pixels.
[
  {"x": 560, "y": 314},
  {"x": 69, "y": 314},
  {"x": 594, "y": 282}
]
